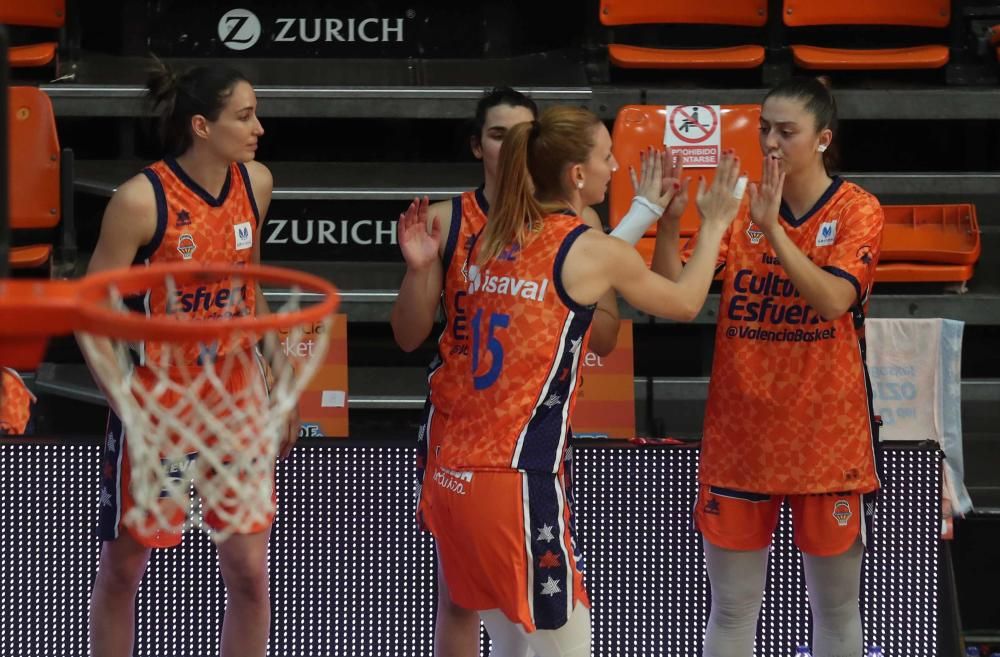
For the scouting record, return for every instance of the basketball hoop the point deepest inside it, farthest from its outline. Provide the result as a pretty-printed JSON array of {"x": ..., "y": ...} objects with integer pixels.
[
  {"x": 205, "y": 388},
  {"x": 30, "y": 312}
]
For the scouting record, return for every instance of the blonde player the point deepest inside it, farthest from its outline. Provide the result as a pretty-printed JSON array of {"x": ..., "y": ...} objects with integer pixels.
[{"x": 495, "y": 496}]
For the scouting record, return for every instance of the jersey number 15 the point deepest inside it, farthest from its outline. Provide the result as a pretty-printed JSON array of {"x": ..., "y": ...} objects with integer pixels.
[{"x": 497, "y": 321}]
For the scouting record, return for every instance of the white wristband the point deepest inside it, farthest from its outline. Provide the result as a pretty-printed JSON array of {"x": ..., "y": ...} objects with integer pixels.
[
  {"x": 740, "y": 188},
  {"x": 637, "y": 220}
]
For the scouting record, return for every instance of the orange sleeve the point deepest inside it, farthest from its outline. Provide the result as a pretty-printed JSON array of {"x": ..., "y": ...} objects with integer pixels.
[{"x": 858, "y": 243}]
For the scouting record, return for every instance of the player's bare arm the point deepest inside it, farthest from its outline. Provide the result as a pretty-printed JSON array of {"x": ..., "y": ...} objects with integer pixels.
[
  {"x": 421, "y": 239},
  {"x": 262, "y": 186},
  {"x": 129, "y": 223}
]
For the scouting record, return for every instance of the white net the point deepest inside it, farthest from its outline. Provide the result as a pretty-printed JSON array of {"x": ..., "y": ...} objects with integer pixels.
[{"x": 205, "y": 415}]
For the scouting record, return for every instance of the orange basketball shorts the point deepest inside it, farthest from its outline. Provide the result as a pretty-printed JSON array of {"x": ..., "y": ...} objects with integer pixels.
[
  {"x": 505, "y": 541},
  {"x": 824, "y": 524},
  {"x": 116, "y": 476}
]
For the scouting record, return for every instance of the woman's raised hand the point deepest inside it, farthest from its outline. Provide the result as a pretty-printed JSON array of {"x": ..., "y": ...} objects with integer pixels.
[
  {"x": 419, "y": 245},
  {"x": 718, "y": 204}
]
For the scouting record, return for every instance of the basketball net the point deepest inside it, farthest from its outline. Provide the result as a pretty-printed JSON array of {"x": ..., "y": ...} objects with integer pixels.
[{"x": 206, "y": 415}]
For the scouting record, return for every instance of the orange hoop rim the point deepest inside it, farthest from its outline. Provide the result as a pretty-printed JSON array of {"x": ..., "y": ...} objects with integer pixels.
[
  {"x": 95, "y": 317},
  {"x": 37, "y": 308}
]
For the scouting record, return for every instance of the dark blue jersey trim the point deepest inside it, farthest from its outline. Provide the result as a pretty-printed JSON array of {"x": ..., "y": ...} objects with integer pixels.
[
  {"x": 786, "y": 213},
  {"x": 738, "y": 494},
  {"x": 146, "y": 251},
  {"x": 453, "y": 232},
  {"x": 484, "y": 205},
  {"x": 245, "y": 174},
  {"x": 840, "y": 273},
  {"x": 198, "y": 189},
  {"x": 557, "y": 266}
]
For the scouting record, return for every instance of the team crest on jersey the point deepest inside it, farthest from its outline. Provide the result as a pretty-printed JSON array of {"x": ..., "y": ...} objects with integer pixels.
[
  {"x": 842, "y": 512},
  {"x": 183, "y": 219},
  {"x": 754, "y": 233},
  {"x": 827, "y": 233},
  {"x": 186, "y": 246}
]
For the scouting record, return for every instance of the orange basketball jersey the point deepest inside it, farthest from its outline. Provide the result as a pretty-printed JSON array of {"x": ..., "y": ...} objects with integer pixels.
[
  {"x": 526, "y": 346},
  {"x": 789, "y": 404},
  {"x": 468, "y": 216},
  {"x": 193, "y": 226}
]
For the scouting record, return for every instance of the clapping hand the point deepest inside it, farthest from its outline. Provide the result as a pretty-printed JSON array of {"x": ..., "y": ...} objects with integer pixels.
[{"x": 419, "y": 245}]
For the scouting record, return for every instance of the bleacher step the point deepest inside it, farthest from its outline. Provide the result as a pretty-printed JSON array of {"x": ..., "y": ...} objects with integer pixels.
[
  {"x": 109, "y": 86},
  {"x": 369, "y": 181}
]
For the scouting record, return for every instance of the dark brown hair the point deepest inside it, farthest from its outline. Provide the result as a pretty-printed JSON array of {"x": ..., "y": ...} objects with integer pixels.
[
  {"x": 817, "y": 98},
  {"x": 177, "y": 98}
]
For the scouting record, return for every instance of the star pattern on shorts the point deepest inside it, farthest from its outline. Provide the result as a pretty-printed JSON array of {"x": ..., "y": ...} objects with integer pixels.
[
  {"x": 111, "y": 442},
  {"x": 553, "y": 400},
  {"x": 549, "y": 560},
  {"x": 545, "y": 534},
  {"x": 105, "y": 497},
  {"x": 574, "y": 345},
  {"x": 550, "y": 587}
]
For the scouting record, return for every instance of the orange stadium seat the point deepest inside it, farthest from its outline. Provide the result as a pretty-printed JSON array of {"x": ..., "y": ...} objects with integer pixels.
[
  {"x": 33, "y": 13},
  {"x": 34, "y": 171},
  {"x": 749, "y": 13},
  {"x": 947, "y": 234},
  {"x": 920, "y": 243},
  {"x": 905, "y": 272},
  {"x": 929, "y": 243},
  {"x": 914, "y": 13},
  {"x": 640, "y": 126}
]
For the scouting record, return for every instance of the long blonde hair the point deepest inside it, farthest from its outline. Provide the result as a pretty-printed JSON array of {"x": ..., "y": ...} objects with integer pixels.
[{"x": 533, "y": 158}]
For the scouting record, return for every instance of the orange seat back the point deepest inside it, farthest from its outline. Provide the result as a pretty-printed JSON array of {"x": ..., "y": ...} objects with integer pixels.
[
  {"x": 731, "y": 12},
  {"x": 918, "y": 13},
  {"x": 34, "y": 160},
  {"x": 944, "y": 234},
  {"x": 639, "y": 126},
  {"x": 33, "y": 13}
]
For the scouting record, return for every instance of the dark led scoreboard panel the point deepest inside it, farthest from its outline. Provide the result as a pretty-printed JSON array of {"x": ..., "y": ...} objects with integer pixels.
[{"x": 350, "y": 575}]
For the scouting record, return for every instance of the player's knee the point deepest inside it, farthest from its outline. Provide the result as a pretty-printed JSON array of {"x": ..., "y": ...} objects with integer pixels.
[
  {"x": 735, "y": 611},
  {"x": 448, "y": 607},
  {"x": 123, "y": 573},
  {"x": 835, "y": 613},
  {"x": 246, "y": 578}
]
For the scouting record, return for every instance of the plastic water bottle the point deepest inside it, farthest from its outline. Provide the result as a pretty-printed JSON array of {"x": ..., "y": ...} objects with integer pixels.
[
  {"x": 971, "y": 651},
  {"x": 875, "y": 651},
  {"x": 803, "y": 651}
]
